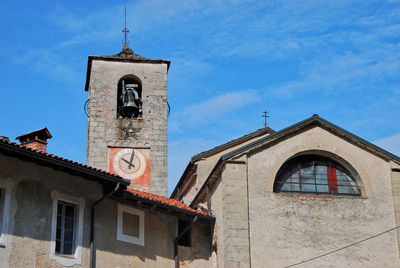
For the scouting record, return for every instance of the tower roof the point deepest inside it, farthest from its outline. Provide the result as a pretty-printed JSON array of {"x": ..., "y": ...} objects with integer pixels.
[{"x": 125, "y": 55}]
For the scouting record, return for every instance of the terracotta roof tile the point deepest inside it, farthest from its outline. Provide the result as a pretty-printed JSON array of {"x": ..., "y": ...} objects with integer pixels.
[{"x": 164, "y": 200}]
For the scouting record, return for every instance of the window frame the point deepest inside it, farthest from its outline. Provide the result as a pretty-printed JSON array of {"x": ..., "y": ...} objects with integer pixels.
[
  {"x": 6, "y": 187},
  {"x": 129, "y": 238},
  {"x": 79, "y": 202},
  {"x": 63, "y": 215},
  {"x": 300, "y": 163}
]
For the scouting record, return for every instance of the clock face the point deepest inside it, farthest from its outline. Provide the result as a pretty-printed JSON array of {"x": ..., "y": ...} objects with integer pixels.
[{"x": 130, "y": 163}]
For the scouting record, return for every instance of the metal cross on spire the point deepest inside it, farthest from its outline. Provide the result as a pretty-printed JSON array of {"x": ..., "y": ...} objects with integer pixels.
[
  {"x": 265, "y": 115},
  {"x": 125, "y": 30}
]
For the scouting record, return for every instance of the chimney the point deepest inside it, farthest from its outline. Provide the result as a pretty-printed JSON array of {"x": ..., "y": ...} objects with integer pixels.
[
  {"x": 4, "y": 138},
  {"x": 36, "y": 140}
]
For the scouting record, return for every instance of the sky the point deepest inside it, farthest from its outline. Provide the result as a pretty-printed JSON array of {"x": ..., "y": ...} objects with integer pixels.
[{"x": 230, "y": 61}]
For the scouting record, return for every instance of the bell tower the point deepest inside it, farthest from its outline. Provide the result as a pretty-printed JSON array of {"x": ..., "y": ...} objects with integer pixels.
[{"x": 127, "y": 118}]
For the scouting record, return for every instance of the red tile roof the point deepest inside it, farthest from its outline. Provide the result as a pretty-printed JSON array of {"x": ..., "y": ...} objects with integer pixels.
[{"x": 164, "y": 200}]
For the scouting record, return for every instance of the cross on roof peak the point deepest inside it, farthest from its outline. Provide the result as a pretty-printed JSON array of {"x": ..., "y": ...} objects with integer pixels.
[
  {"x": 265, "y": 115},
  {"x": 125, "y": 31}
]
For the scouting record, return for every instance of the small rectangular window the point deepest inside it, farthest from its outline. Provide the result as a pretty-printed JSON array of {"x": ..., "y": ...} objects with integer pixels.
[
  {"x": 130, "y": 224},
  {"x": 130, "y": 227},
  {"x": 186, "y": 239},
  {"x": 65, "y": 230}
]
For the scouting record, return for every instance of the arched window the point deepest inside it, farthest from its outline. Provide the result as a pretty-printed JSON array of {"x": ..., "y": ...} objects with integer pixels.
[
  {"x": 315, "y": 174},
  {"x": 129, "y": 97}
]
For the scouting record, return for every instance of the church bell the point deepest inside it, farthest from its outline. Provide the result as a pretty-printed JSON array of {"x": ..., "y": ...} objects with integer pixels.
[{"x": 130, "y": 99}]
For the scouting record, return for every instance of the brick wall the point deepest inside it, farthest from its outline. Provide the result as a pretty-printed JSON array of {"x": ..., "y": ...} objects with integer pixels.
[{"x": 40, "y": 146}]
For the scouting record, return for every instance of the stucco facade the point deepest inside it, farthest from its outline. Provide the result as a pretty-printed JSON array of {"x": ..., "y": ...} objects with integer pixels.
[
  {"x": 290, "y": 228},
  {"x": 257, "y": 227},
  {"x": 32, "y": 187}
]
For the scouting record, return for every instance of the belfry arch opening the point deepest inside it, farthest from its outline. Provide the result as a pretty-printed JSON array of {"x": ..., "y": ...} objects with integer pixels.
[
  {"x": 316, "y": 174},
  {"x": 129, "y": 97}
]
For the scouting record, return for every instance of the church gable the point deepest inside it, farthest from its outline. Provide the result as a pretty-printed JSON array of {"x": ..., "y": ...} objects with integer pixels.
[
  {"x": 338, "y": 188},
  {"x": 314, "y": 134},
  {"x": 319, "y": 145},
  {"x": 309, "y": 123},
  {"x": 352, "y": 196}
]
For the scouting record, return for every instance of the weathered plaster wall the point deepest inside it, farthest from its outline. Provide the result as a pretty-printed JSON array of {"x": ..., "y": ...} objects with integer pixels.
[
  {"x": 160, "y": 231},
  {"x": 286, "y": 229},
  {"x": 198, "y": 255},
  {"x": 31, "y": 217},
  {"x": 395, "y": 175},
  {"x": 31, "y": 210},
  {"x": 150, "y": 131}
]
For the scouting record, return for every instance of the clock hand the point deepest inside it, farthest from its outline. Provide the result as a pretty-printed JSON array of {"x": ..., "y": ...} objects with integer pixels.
[
  {"x": 126, "y": 161},
  {"x": 130, "y": 161}
]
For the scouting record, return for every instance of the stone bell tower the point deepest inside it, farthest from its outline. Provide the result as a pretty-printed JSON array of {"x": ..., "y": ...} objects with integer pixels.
[{"x": 127, "y": 118}]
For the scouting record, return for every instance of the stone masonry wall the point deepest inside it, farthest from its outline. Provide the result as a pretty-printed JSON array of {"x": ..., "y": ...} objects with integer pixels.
[
  {"x": 150, "y": 131},
  {"x": 235, "y": 216}
]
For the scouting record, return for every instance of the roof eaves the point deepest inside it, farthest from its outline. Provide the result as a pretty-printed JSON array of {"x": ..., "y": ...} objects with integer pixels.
[
  {"x": 275, "y": 135},
  {"x": 232, "y": 143},
  {"x": 299, "y": 125},
  {"x": 62, "y": 162},
  {"x": 45, "y": 130},
  {"x": 361, "y": 140},
  {"x": 165, "y": 206}
]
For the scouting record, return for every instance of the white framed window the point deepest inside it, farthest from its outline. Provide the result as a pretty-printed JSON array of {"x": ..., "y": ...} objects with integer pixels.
[
  {"x": 6, "y": 187},
  {"x": 130, "y": 227},
  {"x": 66, "y": 229}
]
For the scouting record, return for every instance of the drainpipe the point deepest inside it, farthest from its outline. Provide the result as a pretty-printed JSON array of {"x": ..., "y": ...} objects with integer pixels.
[
  {"x": 92, "y": 249},
  {"x": 176, "y": 241}
]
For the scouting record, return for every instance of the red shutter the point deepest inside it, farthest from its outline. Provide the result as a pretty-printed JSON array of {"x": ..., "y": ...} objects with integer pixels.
[{"x": 332, "y": 180}]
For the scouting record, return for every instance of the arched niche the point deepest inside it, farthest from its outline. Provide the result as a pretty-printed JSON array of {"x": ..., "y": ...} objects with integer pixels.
[{"x": 129, "y": 97}]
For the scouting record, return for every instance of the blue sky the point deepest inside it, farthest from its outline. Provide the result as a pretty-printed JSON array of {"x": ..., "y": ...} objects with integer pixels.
[{"x": 231, "y": 60}]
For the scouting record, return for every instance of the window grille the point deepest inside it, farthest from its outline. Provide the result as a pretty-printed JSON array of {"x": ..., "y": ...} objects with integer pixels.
[
  {"x": 65, "y": 231},
  {"x": 315, "y": 174}
]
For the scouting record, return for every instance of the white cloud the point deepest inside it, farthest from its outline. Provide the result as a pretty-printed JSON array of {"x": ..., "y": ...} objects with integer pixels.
[
  {"x": 212, "y": 110},
  {"x": 49, "y": 63},
  {"x": 219, "y": 105},
  {"x": 391, "y": 143}
]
